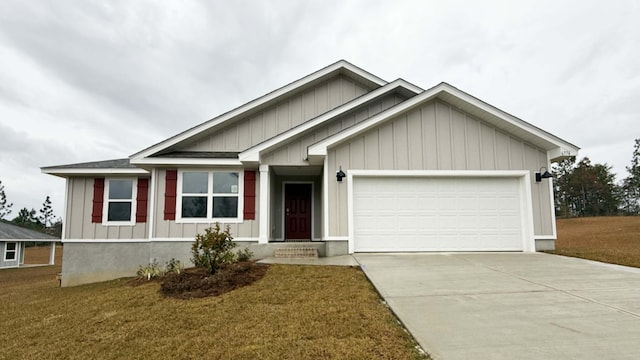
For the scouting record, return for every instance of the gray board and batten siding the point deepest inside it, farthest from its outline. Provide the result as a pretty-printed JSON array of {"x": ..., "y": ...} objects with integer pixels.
[
  {"x": 255, "y": 127},
  {"x": 437, "y": 136}
]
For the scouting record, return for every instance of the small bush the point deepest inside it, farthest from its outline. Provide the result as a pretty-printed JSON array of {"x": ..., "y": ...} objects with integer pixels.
[
  {"x": 244, "y": 254},
  {"x": 213, "y": 249},
  {"x": 151, "y": 270},
  {"x": 174, "y": 267}
]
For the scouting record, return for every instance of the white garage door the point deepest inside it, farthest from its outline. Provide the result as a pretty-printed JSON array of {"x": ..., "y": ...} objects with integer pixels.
[{"x": 437, "y": 214}]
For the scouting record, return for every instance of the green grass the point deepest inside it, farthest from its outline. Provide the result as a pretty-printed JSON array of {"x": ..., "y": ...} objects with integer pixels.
[{"x": 294, "y": 312}]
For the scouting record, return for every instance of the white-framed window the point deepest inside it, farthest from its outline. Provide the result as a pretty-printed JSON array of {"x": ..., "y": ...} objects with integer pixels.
[
  {"x": 119, "y": 206},
  {"x": 11, "y": 251},
  {"x": 205, "y": 196}
]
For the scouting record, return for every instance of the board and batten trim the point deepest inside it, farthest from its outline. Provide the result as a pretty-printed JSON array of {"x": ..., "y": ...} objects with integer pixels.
[
  {"x": 526, "y": 207},
  {"x": 147, "y": 240}
]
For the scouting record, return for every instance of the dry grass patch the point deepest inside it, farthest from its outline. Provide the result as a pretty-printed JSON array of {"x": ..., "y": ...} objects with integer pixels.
[
  {"x": 613, "y": 239},
  {"x": 293, "y": 312}
]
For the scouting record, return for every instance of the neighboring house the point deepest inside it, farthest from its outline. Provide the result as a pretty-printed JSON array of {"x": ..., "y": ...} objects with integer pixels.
[
  {"x": 339, "y": 160},
  {"x": 12, "y": 244}
]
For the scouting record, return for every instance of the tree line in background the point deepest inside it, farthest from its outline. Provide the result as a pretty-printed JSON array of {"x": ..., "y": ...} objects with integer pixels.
[
  {"x": 586, "y": 189},
  {"x": 42, "y": 220}
]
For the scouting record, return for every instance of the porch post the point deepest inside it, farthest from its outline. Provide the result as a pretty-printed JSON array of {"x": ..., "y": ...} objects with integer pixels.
[
  {"x": 264, "y": 205},
  {"x": 52, "y": 253}
]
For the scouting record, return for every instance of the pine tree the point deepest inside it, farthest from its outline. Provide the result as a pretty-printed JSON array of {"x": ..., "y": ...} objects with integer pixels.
[
  {"x": 5, "y": 208},
  {"x": 46, "y": 213},
  {"x": 631, "y": 185}
]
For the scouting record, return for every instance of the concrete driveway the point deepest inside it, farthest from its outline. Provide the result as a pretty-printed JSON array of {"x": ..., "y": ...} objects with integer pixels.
[{"x": 511, "y": 305}]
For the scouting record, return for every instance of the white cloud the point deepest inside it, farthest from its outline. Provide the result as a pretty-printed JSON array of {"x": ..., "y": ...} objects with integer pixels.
[{"x": 83, "y": 81}]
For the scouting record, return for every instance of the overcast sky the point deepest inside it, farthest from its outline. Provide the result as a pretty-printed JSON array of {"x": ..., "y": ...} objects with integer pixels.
[{"x": 88, "y": 80}]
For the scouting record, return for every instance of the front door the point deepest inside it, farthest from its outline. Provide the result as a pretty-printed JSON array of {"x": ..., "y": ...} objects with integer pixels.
[{"x": 297, "y": 212}]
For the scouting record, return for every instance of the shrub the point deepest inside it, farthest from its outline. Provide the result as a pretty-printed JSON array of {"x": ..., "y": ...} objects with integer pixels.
[
  {"x": 151, "y": 270},
  {"x": 213, "y": 249},
  {"x": 174, "y": 266},
  {"x": 244, "y": 254}
]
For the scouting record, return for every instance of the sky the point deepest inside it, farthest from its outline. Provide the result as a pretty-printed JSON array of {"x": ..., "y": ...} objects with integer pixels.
[{"x": 95, "y": 80}]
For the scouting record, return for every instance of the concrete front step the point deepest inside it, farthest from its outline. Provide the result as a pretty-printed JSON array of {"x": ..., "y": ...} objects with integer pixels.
[{"x": 296, "y": 253}]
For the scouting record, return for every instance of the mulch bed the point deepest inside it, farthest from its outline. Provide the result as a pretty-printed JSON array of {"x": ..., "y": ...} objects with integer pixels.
[{"x": 198, "y": 283}]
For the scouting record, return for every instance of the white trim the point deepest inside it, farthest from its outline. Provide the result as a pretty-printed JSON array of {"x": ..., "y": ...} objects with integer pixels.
[
  {"x": 210, "y": 195},
  {"x": 186, "y": 161},
  {"x": 325, "y": 199},
  {"x": 151, "y": 214},
  {"x": 160, "y": 239},
  {"x": 545, "y": 237},
  {"x": 336, "y": 238},
  {"x": 252, "y": 154},
  {"x": 284, "y": 221},
  {"x": 67, "y": 184},
  {"x": 528, "y": 240},
  {"x": 106, "y": 200},
  {"x": 16, "y": 251},
  {"x": 263, "y": 225},
  {"x": 98, "y": 241},
  {"x": 320, "y": 148},
  {"x": 334, "y": 68},
  {"x": 94, "y": 171},
  {"x": 552, "y": 202}
]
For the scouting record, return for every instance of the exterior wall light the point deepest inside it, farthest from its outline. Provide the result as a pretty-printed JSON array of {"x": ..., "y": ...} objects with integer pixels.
[
  {"x": 543, "y": 174},
  {"x": 340, "y": 175}
]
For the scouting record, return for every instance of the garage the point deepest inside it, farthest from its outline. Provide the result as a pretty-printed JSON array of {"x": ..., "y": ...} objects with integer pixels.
[{"x": 475, "y": 212}]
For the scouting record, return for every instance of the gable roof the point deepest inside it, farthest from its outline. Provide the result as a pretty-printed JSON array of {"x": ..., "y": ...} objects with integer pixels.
[
  {"x": 555, "y": 147},
  {"x": 252, "y": 154},
  {"x": 16, "y": 233},
  {"x": 340, "y": 67}
]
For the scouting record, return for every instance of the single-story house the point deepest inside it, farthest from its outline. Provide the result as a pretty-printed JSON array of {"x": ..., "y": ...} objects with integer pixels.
[
  {"x": 340, "y": 161},
  {"x": 13, "y": 241}
]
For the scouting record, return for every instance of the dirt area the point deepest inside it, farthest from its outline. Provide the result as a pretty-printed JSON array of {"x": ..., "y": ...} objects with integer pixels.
[
  {"x": 198, "y": 283},
  {"x": 36, "y": 255},
  {"x": 612, "y": 239}
]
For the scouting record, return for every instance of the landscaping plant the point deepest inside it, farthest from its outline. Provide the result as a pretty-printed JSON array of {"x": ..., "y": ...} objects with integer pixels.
[{"x": 213, "y": 248}]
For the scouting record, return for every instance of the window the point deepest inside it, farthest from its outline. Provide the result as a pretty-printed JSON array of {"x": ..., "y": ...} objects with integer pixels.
[
  {"x": 209, "y": 195},
  {"x": 10, "y": 251},
  {"x": 119, "y": 202}
]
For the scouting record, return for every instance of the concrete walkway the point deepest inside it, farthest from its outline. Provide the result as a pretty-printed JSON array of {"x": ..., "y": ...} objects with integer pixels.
[
  {"x": 343, "y": 260},
  {"x": 511, "y": 305}
]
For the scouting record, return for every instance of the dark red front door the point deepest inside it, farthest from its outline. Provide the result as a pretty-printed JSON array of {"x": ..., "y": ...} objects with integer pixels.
[{"x": 297, "y": 211}]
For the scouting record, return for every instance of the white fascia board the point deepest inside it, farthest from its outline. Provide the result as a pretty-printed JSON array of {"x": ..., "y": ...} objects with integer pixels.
[
  {"x": 320, "y": 148},
  {"x": 186, "y": 161},
  {"x": 436, "y": 173},
  {"x": 342, "y": 64},
  {"x": 560, "y": 153},
  {"x": 252, "y": 155},
  {"x": 66, "y": 172}
]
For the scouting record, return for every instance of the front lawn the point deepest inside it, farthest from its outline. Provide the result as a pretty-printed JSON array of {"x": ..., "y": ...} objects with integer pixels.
[
  {"x": 294, "y": 312},
  {"x": 613, "y": 239}
]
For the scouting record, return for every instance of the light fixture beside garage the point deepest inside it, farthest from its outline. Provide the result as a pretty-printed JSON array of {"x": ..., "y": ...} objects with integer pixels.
[
  {"x": 543, "y": 174},
  {"x": 340, "y": 175}
]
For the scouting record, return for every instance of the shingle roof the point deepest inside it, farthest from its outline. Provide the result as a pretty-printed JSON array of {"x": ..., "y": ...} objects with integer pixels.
[
  {"x": 14, "y": 232},
  {"x": 105, "y": 164}
]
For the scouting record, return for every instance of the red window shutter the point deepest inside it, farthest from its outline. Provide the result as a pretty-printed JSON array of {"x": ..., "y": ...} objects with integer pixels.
[
  {"x": 98, "y": 200},
  {"x": 249, "y": 195},
  {"x": 171, "y": 183},
  {"x": 141, "y": 201}
]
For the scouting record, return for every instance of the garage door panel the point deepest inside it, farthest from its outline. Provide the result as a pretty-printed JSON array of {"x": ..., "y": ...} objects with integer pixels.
[{"x": 437, "y": 214}]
